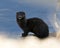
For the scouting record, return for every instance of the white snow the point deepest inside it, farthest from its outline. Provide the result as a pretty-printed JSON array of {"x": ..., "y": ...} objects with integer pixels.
[{"x": 29, "y": 42}]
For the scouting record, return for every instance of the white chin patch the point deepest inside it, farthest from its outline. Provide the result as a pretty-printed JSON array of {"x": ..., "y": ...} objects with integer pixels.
[{"x": 19, "y": 18}]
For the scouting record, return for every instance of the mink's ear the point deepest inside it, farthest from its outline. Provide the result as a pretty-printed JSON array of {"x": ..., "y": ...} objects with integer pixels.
[{"x": 17, "y": 13}]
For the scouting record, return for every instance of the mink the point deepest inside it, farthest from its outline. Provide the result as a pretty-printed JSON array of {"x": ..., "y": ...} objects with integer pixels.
[{"x": 34, "y": 25}]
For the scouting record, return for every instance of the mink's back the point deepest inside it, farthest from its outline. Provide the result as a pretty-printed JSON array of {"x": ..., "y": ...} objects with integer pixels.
[{"x": 33, "y": 22}]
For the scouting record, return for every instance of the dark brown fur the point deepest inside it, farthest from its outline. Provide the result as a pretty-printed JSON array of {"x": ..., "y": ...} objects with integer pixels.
[{"x": 34, "y": 25}]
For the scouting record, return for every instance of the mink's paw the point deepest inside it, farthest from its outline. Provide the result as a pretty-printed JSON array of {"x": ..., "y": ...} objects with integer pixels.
[{"x": 24, "y": 35}]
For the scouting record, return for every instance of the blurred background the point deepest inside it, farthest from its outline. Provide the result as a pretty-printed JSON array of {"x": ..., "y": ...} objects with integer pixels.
[{"x": 48, "y": 10}]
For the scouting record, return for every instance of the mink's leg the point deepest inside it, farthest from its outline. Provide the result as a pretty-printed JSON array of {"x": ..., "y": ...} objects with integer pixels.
[
  {"x": 40, "y": 33},
  {"x": 24, "y": 34}
]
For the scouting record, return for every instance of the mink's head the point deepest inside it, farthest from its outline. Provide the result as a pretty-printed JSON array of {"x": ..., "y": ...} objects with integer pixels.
[{"x": 20, "y": 15}]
